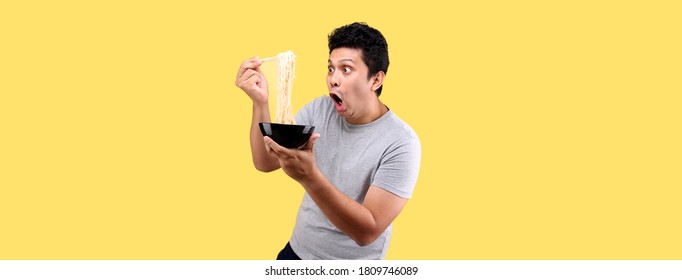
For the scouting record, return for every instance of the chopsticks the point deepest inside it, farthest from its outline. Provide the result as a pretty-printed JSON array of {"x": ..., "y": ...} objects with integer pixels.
[{"x": 268, "y": 59}]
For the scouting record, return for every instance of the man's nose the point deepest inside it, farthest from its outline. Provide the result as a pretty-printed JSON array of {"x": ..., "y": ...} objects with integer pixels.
[{"x": 334, "y": 80}]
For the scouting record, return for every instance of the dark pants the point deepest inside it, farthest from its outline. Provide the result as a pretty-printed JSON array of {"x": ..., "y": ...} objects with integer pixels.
[{"x": 287, "y": 253}]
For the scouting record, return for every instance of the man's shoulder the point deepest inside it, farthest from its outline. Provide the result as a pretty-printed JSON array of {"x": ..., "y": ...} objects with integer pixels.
[
  {"x": 401, "y": 127},
  {"x": 314, "y": 110},
  {"x": 319, "y": 102}
]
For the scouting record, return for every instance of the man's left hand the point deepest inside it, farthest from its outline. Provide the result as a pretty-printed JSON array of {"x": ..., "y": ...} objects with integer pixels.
[{"x": 299, "y": 164}]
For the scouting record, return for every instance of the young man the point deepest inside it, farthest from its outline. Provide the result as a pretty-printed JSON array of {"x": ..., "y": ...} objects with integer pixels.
[{"x": 361, "y": 166}]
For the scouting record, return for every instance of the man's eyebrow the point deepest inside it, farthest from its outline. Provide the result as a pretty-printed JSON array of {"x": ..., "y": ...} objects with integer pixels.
[{"x": 341, "y": 60}]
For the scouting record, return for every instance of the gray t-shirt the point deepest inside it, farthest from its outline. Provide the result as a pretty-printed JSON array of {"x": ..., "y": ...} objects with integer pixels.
[{"x": 385, "y": 153}]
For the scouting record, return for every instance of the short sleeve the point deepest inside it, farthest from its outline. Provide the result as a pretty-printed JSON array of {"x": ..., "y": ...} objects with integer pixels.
[{"x": 399, "y": 168}]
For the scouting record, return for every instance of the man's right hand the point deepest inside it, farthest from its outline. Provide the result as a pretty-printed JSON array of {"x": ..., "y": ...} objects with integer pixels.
[{"x": 252, "y": 81}]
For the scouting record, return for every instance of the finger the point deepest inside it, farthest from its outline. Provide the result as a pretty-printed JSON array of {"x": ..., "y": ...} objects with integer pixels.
[
  {"x": 250, "y": 78},
  {"x": 251, "y": 63},
  {"x": 277, "y": 148},
  {"x": 253, "y": 72},
  {"x": 311, "y": 142},
  {"x": 261, "y": 77},
  {"x": 247, "y": 73},
  {"x": 270, "y": 151},
  {"x": 268, "y": 148}
]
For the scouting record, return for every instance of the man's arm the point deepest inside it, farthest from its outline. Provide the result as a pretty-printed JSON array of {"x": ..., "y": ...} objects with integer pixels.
[
  {"x": 363, "y": 223},
  {"x": 252, "y": 81},
  {"x": 261, "y": 159}
]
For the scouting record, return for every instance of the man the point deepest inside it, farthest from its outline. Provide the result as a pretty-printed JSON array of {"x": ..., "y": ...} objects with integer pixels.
[{"x": 359, "y": 169}]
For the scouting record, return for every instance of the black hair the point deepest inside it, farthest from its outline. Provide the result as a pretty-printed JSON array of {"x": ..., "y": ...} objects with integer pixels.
[{"x": 359, "y": 35}]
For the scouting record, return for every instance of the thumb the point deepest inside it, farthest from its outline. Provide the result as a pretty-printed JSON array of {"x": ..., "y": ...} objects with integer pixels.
[{"x": 311, "y": 141}]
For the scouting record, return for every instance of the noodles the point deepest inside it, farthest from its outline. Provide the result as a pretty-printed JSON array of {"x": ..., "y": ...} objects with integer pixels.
[{"x": 285, "y": 81}]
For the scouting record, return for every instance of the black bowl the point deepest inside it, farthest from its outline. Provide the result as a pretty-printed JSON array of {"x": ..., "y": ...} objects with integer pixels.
[{"x": 287, "y": 135}]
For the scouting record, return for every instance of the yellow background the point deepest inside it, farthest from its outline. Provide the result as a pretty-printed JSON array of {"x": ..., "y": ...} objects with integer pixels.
[{"x": 550, "y": 129}]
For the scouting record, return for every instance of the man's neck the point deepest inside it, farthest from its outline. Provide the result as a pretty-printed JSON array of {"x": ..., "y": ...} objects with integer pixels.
[{"x": 375, "y": 112}]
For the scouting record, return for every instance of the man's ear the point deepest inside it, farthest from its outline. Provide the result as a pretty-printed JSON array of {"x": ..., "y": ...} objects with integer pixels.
[{"x": 377, "y": 80}]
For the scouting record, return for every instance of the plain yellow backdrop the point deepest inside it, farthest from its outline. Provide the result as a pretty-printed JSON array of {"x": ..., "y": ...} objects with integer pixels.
[{"x": 550, "y": 129}]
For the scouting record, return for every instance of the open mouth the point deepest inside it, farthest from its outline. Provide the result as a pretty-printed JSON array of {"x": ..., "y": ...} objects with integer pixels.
[
  {"x": 336, "y": 98},
  {"x": 338, "y": 102}
]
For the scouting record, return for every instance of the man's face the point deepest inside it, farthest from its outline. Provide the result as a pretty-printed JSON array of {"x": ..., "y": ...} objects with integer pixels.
[{"x": 348, "y": 84}]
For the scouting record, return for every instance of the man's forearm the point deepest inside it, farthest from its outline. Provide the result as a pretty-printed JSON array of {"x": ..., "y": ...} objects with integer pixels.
[
  {"x": 346, "y": 214},
  {"x": 261, "y": 159}
]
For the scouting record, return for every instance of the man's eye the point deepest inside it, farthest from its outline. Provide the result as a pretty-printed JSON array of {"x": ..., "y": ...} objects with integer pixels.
[
  {"x": 330, "y": 69},
  {"x": 346, "y": 70}
]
